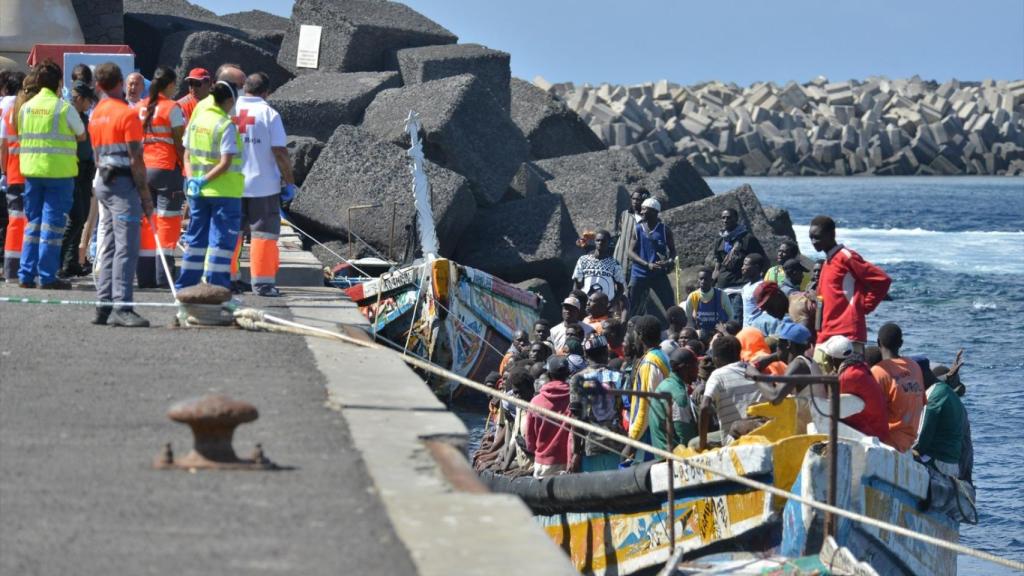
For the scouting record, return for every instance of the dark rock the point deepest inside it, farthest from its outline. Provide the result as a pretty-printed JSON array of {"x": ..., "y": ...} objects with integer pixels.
[
  {"x": 315, "y": 104},
  {"x": 529, "y": 181},
  {"x": 303, "y": 151},
  {"x": 209, "y": 49},
  {"x": 102, "y": 21},
  {"x": 551, "y": 127},
  {"x": 360, "y": 35},
  {"x": 696, "y": 225},
  {"x": 256, "y": 20},
  {"x": 531, "y": 238},
  {"x": 780, "y": 221},
  {"x": 271, "y": 38},
  {"x": 551, "y": 310},
  {"x": 178, "y": 8},
  {"x": 428, "y": 63},
  {"x": 354, "y": 169},
  {"x": 595, "y": 186},
  {"x": 328, "y": 253},
  {"x": 204, "y": 294},
  {"x": 680, "y": 183},
  {"x": 465, "y": 130}
]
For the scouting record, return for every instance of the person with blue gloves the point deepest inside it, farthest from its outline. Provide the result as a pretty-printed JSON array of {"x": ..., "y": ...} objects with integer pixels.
[
  {"x": 268, "y": 184},
  {"x": 214, "y": 185}
]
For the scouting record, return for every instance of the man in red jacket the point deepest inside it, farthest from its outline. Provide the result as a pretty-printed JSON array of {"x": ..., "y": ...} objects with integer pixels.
[
  {"x": 849, "y": 287},
  {"x": 855, "y": 378},
  {"x": 549, "y": 441}
]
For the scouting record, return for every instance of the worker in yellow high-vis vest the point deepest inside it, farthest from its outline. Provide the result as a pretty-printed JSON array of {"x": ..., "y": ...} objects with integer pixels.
[
  {"x": 49, "y": 130},
  {"x": 214, "y": 187}
]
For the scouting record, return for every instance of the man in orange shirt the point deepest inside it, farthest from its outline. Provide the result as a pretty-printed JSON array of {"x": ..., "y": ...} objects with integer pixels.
[
  {"x": 199, "y": 85},
  {"x": 903, "y": 384},
  {"x": 121, "y": 189}
]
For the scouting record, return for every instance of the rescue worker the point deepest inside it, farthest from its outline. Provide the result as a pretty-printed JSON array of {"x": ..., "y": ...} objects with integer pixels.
[
  {"x": 268, "y": 182},
  {"x": 213, "y": 165},
  {"x": 163, "y": 126},
  {"x": 121, "y": 190},
  {"x": 20, "y": 88},
  {"x": 198, "y": 80},
  {"x": 48, "y": 131}
]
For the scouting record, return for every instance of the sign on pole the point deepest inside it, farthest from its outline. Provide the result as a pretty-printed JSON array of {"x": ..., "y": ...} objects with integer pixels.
[{"x": 308, "y": 53}]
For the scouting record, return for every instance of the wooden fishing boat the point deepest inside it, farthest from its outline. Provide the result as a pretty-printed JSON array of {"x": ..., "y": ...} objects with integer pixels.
[
  {"x": 455, "y": 316},
  {"x": 624, "y": 529}
]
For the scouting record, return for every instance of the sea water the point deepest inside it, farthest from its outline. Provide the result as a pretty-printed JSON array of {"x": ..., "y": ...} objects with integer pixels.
[{"x": 954, "y": 247}]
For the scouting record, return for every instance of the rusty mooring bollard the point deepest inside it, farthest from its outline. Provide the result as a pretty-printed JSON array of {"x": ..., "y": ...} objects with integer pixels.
[{"x": 213, "y": 420}]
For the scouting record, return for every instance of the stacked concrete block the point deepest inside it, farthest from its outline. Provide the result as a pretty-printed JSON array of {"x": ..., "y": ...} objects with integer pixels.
[
  {"x": 150, "y": 24},
  {"x": 360, "y": 35},
  {"x": 102, "y": 21},
  {"x": 303, "y": 152},
  {"x": 428, "y": 63},
  {"x": 316, "y": 104},
  {"x": 816, "y": 128},
  {"x": 539, "y": 242},
  {"x": 209, "y": 49},
  {"x": 355, "y": 169},
  {"x": 550, "y": 126},
  {"x": 465, "y": 130},
  {"x": 256, "y": 20}
]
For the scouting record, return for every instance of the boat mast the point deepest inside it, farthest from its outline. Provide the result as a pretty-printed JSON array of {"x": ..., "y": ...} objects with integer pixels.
[{"x": 421, "y": 189}]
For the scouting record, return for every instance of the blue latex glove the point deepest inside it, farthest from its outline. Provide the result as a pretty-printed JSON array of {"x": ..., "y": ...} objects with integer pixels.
[
  {"x": 193, "y": 186},
  {"x": 288, "y": 193}
]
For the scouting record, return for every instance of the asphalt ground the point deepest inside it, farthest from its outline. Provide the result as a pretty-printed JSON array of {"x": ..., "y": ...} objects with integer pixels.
[{"x": 83, "y": 414}]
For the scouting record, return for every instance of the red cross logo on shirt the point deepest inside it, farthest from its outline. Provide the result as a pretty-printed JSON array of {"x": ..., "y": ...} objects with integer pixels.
[{"x": 243, "y": 121}]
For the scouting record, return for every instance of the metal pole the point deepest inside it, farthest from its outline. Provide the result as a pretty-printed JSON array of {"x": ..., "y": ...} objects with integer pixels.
[
  {"x": 391, "y": 239},
  {"x": 671, "y": 475},
  {"x": 351, "y": 249},
  {"x": 833, "y": 455}
]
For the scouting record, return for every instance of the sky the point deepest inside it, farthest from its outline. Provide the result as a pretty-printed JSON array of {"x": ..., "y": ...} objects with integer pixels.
[{"x": 742, "y": 41}]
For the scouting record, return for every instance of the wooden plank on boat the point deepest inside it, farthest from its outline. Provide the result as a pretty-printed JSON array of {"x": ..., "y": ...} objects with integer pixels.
[
  {"x": 387, "y": 285},
  {"x": 744, "y": 460}
]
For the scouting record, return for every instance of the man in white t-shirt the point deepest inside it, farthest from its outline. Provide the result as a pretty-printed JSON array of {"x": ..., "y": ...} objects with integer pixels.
[{"x": 268, "y": 181}]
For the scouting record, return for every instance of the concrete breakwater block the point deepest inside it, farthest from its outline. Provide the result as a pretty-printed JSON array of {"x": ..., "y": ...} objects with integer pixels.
[
  {"x": 303, "y": 152},
  {"x": 428, "y": 63},
  {"x": 537, "y": 243},
  {"x": 551, "y": 127},
  {"x": 594, "y": 186},
  {"x": 256, "y": 20},
  {"x": 465, "y": 130},
  {"x": 696, "y": 225},
  {"x": 315, "y": 104},
  {"x": 209, "y": 49},
  {"x": 680, "y": 182},
  {"x": 355, "y": 169},
  {"x": 360, "y": 35}
]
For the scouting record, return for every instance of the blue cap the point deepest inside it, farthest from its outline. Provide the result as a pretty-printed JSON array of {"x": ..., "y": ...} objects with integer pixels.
[
  {"x": 794, "y": 332},
  {"x": 576, "y": 363}
]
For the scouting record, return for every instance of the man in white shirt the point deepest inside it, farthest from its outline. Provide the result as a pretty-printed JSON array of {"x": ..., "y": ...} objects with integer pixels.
[
  {"x": 572, "y": 315},
  {"x": 268, "y": 181}
]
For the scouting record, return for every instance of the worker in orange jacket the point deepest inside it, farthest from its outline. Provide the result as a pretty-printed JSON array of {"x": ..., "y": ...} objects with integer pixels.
[
  {"x": 163, "y": 124},
  {"x": 14, "y": 180}
]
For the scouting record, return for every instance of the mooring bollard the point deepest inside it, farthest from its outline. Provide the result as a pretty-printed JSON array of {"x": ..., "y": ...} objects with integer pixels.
[{"x": 213, "y": 419}]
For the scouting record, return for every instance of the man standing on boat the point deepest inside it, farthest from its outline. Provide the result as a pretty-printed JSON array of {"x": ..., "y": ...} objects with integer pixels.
[
  {"x": 652, "y": 369},
  {"x": 903, "y": 384},
  {"x": 707, "y": 306},
  {"x": 728, "y": 393},
  {"x": 942, "y": 429},
  {"x": 848, "y": 289},
  {"x": 653, "y": 255},
  {"x": 733, "y": 246},
  {"x": 600, "y": 271},
  {"x": 589, "y": 402},
  {"x": 855, "y": 378},
  {"x": 683, "y": 364},
  {"x": 550, "y": 441},
  {"x": 597, "y": 311},
  {"x": 572, "y": 314},
  {"x": 753, "y": 264},
  {"x": 627, "y": 221},
  {"x": 788, "y": 250}
]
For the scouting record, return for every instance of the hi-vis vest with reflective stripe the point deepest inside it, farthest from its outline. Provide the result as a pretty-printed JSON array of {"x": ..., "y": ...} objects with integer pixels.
[
  {"x": 158, "y": 143},
  {"x": 48, "y": 147},
  {"x": 205, "y": 131}
]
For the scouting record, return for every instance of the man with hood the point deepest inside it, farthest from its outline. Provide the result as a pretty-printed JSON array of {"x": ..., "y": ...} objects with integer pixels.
[
  {"x": 549, "y": 441},
  {"x": 735, "y": 243}
]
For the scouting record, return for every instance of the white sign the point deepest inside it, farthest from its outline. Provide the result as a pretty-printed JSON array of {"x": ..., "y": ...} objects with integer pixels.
[
  {"x": 71, "y": 59},
  {"x": 308, "y": 53}
]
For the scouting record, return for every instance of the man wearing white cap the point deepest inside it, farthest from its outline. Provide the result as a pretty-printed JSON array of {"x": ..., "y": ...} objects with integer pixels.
[
  {"x": 653, "y": 254},
  {"x": 572, "y": 314},
  {"x": 838, "y": 357}
]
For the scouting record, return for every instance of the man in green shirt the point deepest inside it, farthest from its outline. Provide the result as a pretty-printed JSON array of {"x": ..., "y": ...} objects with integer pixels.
[
  {"x": 942, "y": 425},
  {"x": 684, "y": 425}
]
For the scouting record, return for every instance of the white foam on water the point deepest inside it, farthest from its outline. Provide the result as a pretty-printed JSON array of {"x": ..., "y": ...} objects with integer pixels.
[
  {"x": 979, "y": 305},
  {"x": 969, "y": 251}
]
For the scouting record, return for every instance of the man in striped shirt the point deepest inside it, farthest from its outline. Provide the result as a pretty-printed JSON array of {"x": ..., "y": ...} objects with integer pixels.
[{"x": 728, "y": 392}]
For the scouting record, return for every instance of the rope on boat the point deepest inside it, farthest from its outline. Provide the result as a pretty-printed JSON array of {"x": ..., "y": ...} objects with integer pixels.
[
  {"x": 324, "y": 246},
  {"x": 255, "y": 319}
]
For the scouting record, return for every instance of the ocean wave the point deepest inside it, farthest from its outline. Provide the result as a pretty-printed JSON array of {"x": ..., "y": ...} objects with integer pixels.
[
  {"x": 979, "y": 305},
  {"x": 972, "y": 251}
]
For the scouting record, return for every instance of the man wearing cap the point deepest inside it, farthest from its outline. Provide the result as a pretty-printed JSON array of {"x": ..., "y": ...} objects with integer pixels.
[
  {"x": 848, "y": 289},
  {"x": 653, "y": 255},
  {"x": 550, "y": 441},
  {"x": 855, "y": 378},
  {"x": 942, "y": 427},
  {"x": 589, "y": 402},
  {"x": 683, "y": 364},
  {"x": 198, "y": 80},
  {"x": 773, "y": 306},
  {"x": 735, "y": 242},
  {"x": 572, "y": 314},
  {"x": 903, "y": 383}
]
